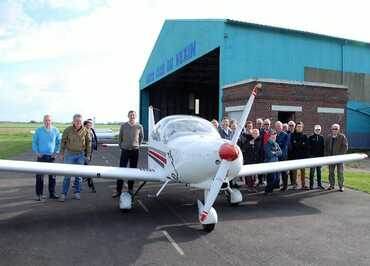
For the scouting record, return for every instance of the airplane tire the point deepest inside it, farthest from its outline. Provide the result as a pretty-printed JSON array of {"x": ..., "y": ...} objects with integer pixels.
[{"x": 208, "y": 227}]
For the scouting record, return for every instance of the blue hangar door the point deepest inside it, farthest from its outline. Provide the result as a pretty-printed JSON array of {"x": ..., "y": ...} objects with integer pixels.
[{"x": 192, "y": 89}]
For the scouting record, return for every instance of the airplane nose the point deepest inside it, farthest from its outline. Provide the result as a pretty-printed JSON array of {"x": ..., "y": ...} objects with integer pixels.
[{"x": 228, "y": 152}]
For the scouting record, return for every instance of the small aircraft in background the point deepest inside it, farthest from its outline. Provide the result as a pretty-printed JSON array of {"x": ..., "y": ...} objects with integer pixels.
[
  {"x": 189, "y": 150},
  {"x": 105, "y": 134},
  {"x": 102, "y": 134}
]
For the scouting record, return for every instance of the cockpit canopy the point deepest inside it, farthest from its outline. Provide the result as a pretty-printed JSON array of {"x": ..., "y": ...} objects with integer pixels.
[{"x": 179, "y": 125}]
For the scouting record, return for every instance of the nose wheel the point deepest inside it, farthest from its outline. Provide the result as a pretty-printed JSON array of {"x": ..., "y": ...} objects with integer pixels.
[{"x": 208, "y": 227}]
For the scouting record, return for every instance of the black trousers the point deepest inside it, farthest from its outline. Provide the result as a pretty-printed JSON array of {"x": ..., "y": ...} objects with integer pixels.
[
  {"x": 127, "y": 156},
  {"x": 40, "y": 178},
  {"x": 89, "y": 180}
]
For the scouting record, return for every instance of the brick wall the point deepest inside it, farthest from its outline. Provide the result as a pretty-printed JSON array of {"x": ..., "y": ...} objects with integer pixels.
[{"x": 307, "y": 96}]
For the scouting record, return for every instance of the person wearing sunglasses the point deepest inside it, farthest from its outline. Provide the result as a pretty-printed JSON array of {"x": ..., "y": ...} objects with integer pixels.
[
  {"x": 336, "y": 144},
  {"x": 316, "y": 149}
]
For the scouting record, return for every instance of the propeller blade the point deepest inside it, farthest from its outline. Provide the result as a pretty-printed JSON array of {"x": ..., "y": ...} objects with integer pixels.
[
  {"x": 215, "y": 188},
  {"x": 246, "y": 111},
  {"x": 225, "y": 164}
]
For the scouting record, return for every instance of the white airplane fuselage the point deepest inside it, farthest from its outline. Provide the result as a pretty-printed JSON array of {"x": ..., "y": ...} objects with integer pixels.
[
  {"x": 192, "y": 158},
  {"x": 197, "y": 159}
]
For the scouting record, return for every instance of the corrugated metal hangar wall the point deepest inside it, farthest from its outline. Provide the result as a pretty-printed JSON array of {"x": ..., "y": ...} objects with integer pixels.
[{"x": 193, "y": 60}]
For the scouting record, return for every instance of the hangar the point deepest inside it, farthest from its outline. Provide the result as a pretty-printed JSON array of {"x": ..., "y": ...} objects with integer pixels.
[{"x": 201, "y": 67}]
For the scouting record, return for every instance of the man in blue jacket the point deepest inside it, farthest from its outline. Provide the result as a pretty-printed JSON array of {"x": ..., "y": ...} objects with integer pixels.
[
  {"x": 282, "y": 139},
  {"x": 272, "y": 153},
  {"x": 46, "y": 146}
]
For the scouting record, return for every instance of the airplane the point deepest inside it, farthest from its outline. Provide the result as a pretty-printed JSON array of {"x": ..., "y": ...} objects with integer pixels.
[
  {"x": 105, "y": 134},
  {"x": 101, "y": 134},
  {"x": 188, "y": 150}
]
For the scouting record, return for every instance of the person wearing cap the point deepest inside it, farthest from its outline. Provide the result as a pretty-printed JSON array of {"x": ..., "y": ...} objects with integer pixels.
[
  {"x": 282, "y": 139},
  {"x": 316, "y": 149},
  {"x": 272, "y": 153},
  {"x": 336, "y": 144},
  {"x": 299, "y": 142}
]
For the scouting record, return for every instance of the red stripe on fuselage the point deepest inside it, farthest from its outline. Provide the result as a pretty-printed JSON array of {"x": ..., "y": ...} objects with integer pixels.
[{"x": 158, "y": 156}]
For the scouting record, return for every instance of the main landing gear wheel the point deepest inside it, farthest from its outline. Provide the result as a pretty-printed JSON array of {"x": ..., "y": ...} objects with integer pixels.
[
  {"x": 209, "y": 227},
  {"x": 234, "y": 197}
]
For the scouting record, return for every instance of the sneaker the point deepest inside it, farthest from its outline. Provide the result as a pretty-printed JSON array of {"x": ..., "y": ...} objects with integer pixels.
[
  {"x": 341, "y": 189},
  {"x": 62, "y": 198},
  {"x": 43, "y": 196},
  {"x": 53, "y": 196},
  {"x": 93, "y": 190},
  {"x": 38, "y": 198},
  {"x": 116, "y": 194},
  {"x": 77, "y": 196},
  {"x": 320, "y": 187},
  {"x": 330, "y": 188}
]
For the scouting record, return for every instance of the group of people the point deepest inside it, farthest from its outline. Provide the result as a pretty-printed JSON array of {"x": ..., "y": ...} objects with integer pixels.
[
  {"x": 76, "y": 146},
  {"x": 263, "y": 143},
  {"x": 258, "y": 143}
]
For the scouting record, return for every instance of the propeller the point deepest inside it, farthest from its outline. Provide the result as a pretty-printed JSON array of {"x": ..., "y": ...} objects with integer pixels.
[{"x": 228, "y": 153}]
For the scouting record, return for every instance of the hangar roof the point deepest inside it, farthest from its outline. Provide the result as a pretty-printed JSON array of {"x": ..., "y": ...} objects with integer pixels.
[{"x": 184, "y": 40}]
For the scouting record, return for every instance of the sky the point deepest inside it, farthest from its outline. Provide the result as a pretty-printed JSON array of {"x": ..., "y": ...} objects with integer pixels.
[{"x": 62, "y": 57}]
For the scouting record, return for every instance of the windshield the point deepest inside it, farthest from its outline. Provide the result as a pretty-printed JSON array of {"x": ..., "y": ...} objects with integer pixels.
[{"x": 188, "y": 126}]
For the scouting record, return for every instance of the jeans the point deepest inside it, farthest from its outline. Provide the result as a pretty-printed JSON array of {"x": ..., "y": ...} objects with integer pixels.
[
  {"x": 318, "y": 175},
  {"x": 40, "y": 178},
  {"x": 271, "y": 181},
  {"x": 73, "y": 158},
  {"x": 127, "y": 156}
]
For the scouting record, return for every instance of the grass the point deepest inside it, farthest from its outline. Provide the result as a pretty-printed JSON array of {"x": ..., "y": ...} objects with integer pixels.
[
  {"x": 355, "y": 180},
  {"x": 14, "y": 144},
  {"x": 16, "y": 138}
]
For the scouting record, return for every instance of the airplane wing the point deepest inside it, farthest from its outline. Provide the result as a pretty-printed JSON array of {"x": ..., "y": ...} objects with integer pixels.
[
  {"x": 265, "y": 168},
  {"x": 108, "y": 145},
  {"x": 82, "y": 170}
]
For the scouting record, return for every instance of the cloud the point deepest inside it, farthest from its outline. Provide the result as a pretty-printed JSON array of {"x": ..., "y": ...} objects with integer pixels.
[{"x": 97, "y": 58}]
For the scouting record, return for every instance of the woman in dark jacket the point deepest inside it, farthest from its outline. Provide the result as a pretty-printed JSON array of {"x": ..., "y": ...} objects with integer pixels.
[{"x": 252, "y": 154}]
